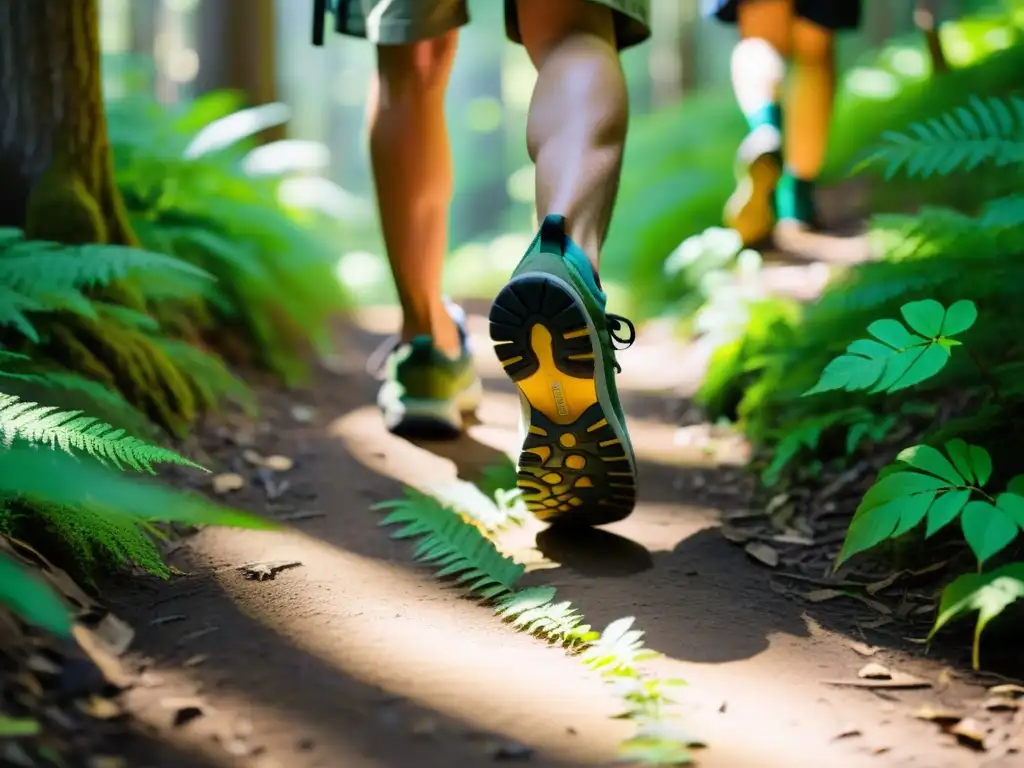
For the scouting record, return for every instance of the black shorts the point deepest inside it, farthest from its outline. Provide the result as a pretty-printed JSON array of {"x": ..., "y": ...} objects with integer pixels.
[{"x": 830, "y": 14}]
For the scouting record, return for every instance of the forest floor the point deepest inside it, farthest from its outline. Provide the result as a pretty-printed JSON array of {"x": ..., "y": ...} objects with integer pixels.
[{"x": 355, "y": 656}]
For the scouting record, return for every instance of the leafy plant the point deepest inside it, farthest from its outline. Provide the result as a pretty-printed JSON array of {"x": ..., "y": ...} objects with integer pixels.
[
  {"x": 898, "y": 358},
  {"x": 989, "y": 594},
  {"x": 450, "y": 541},
  {"x": 926, "y": 485},
  {"x": 194, "y": 189},
  {"x": 53, "y": 479}
]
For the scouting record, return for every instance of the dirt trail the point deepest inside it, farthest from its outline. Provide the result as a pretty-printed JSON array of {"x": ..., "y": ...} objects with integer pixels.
[{"x": 359, "y": 658}]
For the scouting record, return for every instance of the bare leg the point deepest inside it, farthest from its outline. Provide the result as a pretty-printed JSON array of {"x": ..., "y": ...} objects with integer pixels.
[
  {"x": 758, "y": 61},
  {"x": 809, "y": 100},
  {"x": 412, "y": 169},
  {"x": 578, "y": 114}
]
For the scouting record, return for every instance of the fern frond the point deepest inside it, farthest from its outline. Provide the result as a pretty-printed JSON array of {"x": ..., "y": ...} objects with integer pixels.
[
  {"x": 208, "y": 375},
  {"x": 70, "y": 430},
  {"x": 93, "y": 391},
  {"x": 451, "y": 546},
  {"x": 1004, "y": 213},
  {"x": 534, "y": 610},
  {"x": 38, "y": 266},
  {"x": 984, "y": 131},
  {"x": 97, "y": 539}
]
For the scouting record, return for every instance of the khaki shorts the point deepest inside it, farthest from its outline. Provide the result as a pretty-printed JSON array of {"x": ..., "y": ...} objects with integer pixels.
[{"x": 396, "y": 22}]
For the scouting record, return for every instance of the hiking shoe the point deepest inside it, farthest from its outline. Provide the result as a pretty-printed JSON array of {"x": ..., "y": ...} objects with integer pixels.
[
  {"x": 750, "y": 209},
  {"x": 555, "y": 341},
  {"x": 794, "y": 203},
  {"x": 425, "y": 393}
]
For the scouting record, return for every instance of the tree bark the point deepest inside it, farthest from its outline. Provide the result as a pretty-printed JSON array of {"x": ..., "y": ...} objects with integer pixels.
[
  {"x": 55, "y": 161},
  {"x": 237, "y": 51}
]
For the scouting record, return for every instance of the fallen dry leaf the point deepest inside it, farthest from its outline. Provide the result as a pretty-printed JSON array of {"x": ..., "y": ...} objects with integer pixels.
[
  {"x": 862, "y": 648},
  {"x": 762, "y": 553},
  {"x": 278, "y": 463},
  {"x": 874, "y": 671},
  {"x": 932, "y": 714},
  {"x": 1008, "y": 690},
  {"x": 228, "y": 482},
  {"x": 822, "y": 595},
  {"x": 970, "y": 732},
  {"x": 268, "y": 570},
  {"x": 847, "y": 734},
  {"x": 1001, "y": 704},
  {"x": 898, "y": 681},
  {"x": 97, "y": 650}
]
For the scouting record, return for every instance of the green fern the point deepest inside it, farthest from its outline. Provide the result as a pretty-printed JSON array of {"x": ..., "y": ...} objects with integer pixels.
[
  {"x": 451, "y": 541},
  {"x": 534, "y": 610},
  {"x": 35, "y": 266},
  {"x": 98, "y": 541},
  {"x": 985, "y": 131},
  {"x": 451, "y": 546},
  {"x": 70, "y": 430}
]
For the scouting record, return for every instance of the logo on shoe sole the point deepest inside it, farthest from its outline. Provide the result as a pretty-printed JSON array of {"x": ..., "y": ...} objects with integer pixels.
[{"x": 560, "y": 406}]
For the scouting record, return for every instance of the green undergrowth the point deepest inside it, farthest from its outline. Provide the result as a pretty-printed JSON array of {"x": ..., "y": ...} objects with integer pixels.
[
  {"x": 892, "y": 349},
  {"x": 455, "y": 543},
  {"x": 198, "y": 187},
  {"x": 678, "y": 170},
  {"x": 107, "y": 350}
]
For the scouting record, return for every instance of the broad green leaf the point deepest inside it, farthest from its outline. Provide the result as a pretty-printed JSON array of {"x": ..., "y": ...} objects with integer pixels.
[
  {"x": 924, "y": 316},
  {"x": 925, "y": 365},
  {"x": 981, "y": 463},
  {"x": 32, "y": 599},
  {"x": 849, "y": 372},
  {"x": 896, "y": 485},
  {"x": 871, "y": 349},
  {"x": 987, "y": 529},
  {"x": 960, "y": 454},
  {"x": 987, "y": 593},
  {"x": 945, "y": 509},
  {"x": 896, "y": 368},
  {"x": 894, "y": 333},
  {"x": 960, "y": 316},
  {"x": 930, "y": 460},
  {"x": 1016, "y": 485},
  {"x": 871, "y": 528},
  {"x": 18, "y": 727},
  {"x": 913, "y": 512},
  {"x": 1013, "y": 505}
]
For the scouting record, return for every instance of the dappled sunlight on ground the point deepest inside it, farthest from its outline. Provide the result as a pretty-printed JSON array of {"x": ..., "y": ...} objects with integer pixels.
[{"x": 394, "y": 629}]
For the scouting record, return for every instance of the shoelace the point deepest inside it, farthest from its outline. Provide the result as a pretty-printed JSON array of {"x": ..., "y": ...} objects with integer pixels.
[
  {"x": 378, "y": 358},
  {"x": 616, "y": 324}
]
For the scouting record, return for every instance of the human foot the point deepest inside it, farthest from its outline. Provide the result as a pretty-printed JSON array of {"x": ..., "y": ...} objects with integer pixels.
[
  {"x": 555, "y": 340},
  {"x": 425, "y": 391},
  {"x": 750, "y": 209}
]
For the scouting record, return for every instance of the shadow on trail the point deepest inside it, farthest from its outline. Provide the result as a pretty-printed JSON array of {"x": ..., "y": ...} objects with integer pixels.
[
  {"x": 293, "y": 697},
  {"x": 594, "y": 552}
]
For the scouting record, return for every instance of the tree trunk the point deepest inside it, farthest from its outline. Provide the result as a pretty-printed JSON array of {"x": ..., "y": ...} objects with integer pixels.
[
  {"x": 926, "y": 19},
  {"x": 55, "y": 161},
  {"x": 237, "y": 51}
]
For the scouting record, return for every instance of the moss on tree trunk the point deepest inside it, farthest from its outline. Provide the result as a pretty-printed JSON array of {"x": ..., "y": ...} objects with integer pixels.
[{"x": 56, "y": 170}]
